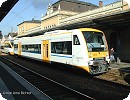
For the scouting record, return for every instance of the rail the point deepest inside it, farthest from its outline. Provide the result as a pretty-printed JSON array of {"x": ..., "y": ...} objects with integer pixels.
[{"x": 49, "y": 87}]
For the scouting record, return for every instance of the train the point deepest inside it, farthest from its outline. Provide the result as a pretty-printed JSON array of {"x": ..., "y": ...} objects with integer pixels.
[
  {"x": 7, "y": 47},
  {"x": 84, "y": 48}
]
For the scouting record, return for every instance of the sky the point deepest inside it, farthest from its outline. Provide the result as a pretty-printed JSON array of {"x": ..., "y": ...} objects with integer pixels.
[{"x": 25, "y": 10}]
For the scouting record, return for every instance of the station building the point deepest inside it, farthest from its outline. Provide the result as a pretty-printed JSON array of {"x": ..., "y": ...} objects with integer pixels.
[
  {"x": 26, "y": 25},
  {"x": 55, "y": 12},
  {"x": 64, "y": 9},
  {"x": 113, "y": 19}
]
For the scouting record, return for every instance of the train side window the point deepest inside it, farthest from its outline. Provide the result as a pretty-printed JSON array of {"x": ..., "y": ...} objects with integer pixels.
[
  {"x": 64, "y": 47},
  {"x": 15, "y": 46},
  {"x": 39, "y": 48},
  {"x": 67, "y": 48},
  {"x": 75, "y": 40},
  {"x": 33, "y": 48}
]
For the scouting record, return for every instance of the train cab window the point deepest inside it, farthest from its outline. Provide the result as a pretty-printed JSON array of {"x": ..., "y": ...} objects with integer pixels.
[
  {"x": 7, "y": 45},
  {"x": 75, "y": 40}
]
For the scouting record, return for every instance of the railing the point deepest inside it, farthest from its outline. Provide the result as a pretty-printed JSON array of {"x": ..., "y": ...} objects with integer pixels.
[{"x": 99, "y": 12}]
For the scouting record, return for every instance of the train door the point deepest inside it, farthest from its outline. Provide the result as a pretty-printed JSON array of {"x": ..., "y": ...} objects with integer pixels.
[
  {"x": 45, "y": 52},
  {"x": 19, "y": 48}
]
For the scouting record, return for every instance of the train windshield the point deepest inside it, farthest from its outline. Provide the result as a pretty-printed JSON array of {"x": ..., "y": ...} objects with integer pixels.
[
  {"x": 95, "y": 41},
  {"x": 7, "y": 45}
]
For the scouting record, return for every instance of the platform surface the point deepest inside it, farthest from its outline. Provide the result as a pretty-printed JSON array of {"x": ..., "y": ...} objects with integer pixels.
[{"x": 14, "y": 87}]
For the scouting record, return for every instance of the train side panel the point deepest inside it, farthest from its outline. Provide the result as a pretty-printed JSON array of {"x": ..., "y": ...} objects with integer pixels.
[
  {"x": 79, "y": 51},
  {"x": 61, "y": 47},
  {"x": 31, "y": 47},
  {"x": 16, "y": 43}
]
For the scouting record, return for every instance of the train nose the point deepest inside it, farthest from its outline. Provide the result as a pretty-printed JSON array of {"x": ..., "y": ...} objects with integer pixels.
[
  {"x": 97, "y": 66},
  {"x": 96, "y": 63}
]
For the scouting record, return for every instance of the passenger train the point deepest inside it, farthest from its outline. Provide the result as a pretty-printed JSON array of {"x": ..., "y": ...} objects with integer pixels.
[
  {"x": 7, "y": 47},
  {"x": 84, "y": 48}
]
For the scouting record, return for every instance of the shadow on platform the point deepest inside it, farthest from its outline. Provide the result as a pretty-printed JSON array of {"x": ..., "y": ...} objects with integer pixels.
[{"x": 125, "y": 73}]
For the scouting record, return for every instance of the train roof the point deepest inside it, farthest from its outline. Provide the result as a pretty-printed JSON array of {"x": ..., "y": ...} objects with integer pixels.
[
  {"x": 57, "y": 31},
  {"x": 89, "y": 29}
]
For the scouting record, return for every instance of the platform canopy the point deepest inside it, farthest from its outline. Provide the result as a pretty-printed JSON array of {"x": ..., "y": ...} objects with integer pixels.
[{"x": 6, "y": 7}]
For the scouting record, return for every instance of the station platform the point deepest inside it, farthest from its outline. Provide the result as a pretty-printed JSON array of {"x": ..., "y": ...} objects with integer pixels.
[
  {"x": 14, "y": 87},
  {"x": 124, "y": 69},
  {"x": 120, "y": 65}
]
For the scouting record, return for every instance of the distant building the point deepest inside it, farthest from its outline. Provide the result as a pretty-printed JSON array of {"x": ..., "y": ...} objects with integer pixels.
[
  {"x": 55, "y": 12},
  {"x": 26, "y": 25},
  {"x": 12, "y": 35},
  {"x": 0, "y": 34}
]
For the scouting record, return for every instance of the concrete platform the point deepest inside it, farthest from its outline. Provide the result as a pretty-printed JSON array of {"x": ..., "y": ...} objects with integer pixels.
[
  {"x": 14, "y": 87},
  {"x": 120, "y": 65},
  {"x": 5, "y": 91}
]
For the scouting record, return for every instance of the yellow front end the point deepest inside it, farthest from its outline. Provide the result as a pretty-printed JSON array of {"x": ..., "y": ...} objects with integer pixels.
[
  {"x": 12, "y": 53},
  {"x": 97, "y": 50},
  {"x": 97, "y": 54},
  {"x": 98, "y": 62}
]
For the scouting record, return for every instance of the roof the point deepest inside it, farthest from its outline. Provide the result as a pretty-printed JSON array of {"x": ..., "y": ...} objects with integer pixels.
[
  {"x": 30, "y": 21},
  {"x": 6, "y": 36},
  {"x": 13, "y": 34},
  {"x": 76, "y": 1},
  {"x": 6, "y": 7}
]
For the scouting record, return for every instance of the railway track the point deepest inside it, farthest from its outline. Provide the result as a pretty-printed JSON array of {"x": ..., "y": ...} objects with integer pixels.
[
  {"x": 82, "y": 82},
  {"x": 51, "y": 88}
]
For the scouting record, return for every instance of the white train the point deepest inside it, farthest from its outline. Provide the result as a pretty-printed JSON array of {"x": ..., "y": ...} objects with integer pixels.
[
  {"x": 85, "y": 48},
  {"x": 7, "y": 47}
]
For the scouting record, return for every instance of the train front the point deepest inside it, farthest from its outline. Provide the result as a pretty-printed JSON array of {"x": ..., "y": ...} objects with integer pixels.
[{"x": 98, "y": 55}]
